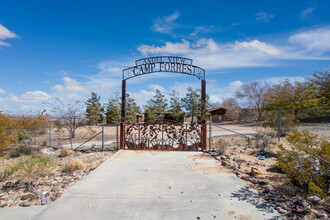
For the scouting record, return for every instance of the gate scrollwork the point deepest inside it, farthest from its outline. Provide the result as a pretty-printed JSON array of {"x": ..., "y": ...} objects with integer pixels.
[{"x": 163, "y": 135}]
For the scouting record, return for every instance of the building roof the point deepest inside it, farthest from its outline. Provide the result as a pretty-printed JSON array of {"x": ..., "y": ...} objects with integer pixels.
[{"x": 217, "y": 109}]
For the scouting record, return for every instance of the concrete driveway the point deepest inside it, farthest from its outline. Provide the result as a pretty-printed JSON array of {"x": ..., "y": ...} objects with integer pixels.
[{"x": 154, "y": 185}]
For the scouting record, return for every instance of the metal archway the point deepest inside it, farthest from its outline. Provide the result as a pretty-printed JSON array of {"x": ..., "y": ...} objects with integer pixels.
[{"x": 172, "y": 64}]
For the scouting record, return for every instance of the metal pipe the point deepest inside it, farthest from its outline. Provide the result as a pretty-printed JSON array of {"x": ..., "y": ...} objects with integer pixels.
[
  {"x": 102, "y": 136},
  {"x": 279, "y": 127},
  {"x": 210, "y": 133},
  {"x": 117, "y": 135},
  {"x": 50, "y": 136}
]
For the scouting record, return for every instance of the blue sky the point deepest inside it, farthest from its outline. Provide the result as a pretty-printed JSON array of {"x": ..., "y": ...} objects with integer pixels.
[{"x": 67, "y": 49}]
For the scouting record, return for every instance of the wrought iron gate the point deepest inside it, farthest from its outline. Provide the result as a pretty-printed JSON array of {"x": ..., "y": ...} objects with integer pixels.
[{"x": 163, "y": 135}]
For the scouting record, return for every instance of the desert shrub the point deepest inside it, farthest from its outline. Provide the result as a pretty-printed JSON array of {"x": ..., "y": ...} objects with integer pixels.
[
  {"x": 6, "y": 135},
  {"x": 44, "y": 144},
  {"x": 307, "y": 164},
  {"x": 249, "y": 140},
  {"x": 29, "y": 168},
  {"x": 221, "y": 146},
  {"x": 66, "y": 152},
  {"x": 73, "y": 165},
  {"x": 20, "y": 150}
]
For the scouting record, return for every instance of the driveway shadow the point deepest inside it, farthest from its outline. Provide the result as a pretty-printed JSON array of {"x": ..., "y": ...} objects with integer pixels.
[{"x": 252, "y": 197}]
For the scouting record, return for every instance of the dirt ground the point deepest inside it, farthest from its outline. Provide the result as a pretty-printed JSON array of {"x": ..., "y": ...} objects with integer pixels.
[
  {"x": 235, "y": 154},
  {"x": 44, "y": 189}
]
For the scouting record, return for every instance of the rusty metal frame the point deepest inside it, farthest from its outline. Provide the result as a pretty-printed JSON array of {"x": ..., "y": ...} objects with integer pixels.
[{"x": 149, "y": 64}]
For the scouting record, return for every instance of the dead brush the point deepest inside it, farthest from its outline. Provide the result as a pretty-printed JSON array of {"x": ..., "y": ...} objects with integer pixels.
[
  {"x": 66, "y": 152},
  {"x": 221, "y": 147},
  {"x": 73, "y": 165}
]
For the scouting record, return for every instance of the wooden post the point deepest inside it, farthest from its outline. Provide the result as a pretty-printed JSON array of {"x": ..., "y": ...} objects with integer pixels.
[
  {"x": 123, "y": 115},
  {"x": 203, "y": 115}
]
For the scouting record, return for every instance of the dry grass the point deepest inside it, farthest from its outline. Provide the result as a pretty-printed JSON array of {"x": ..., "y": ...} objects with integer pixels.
[
  {"x": 29, "y": 168},
  {"x": 221, "y": 146},
  {"x": 73, "y": 165},
  {"x": 66, "y": 152}
]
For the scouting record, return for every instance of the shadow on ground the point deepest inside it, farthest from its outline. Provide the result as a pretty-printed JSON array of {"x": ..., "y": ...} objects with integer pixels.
[{"x": 252, "y": 197}]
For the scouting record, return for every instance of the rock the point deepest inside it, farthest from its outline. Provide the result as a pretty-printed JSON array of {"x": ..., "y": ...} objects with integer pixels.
[
  {"x": 260, "y": 157},
  {"x": 55, "y": 189},
  {"x": 282, "y": 211},
  {"x": 25, "y": 197},
  {"x": 38, "y": 194},
  {"x": 304, "y": 204},
  {"x": 4, "y": 205},
  {"x": 255, "y": 171},
  {"x": 314, "y": 199},
  {"x": 46, "y": 194},
  {"x": 37, "y": 203},
  {"x": 218, "y": 158},
  {"x": 245, "y": 177},
  {"x": 322, "y": 215},
  {"x": 53, "y": 198},
  {"x": 45, "y": 200},
  {"x": 254, "y": 181},
  {"x": 269, "y": 187},
  {"x": 223, "y": 157},
  {"x": 59, "y": 194},
  {"x": 25, "y": 204},
  {"x": 298, "y": 209}
]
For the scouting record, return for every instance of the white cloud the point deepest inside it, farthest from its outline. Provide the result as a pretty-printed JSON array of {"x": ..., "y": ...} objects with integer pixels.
[
  {"x": 263, "y": 16},
  {"x": 165, "y": 24},
  {"x": 5, "y": 34},
  {"x": 201, "y": 46},
  {"x": 307, "y": 12},
  {"x": 261, "y": 46},
  {"x": 212, "y": 55},
  {"x": 46, "y": 82},
  {"x": 317, "y": 39},
  {"x": 155, "y": 87},
  {"x": 280, "y": 79},
  {"x": 2, "y": 91},
  {"x": 70, "y": 86}
]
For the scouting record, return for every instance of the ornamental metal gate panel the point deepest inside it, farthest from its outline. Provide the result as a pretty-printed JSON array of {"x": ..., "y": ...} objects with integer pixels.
[
  {"x": 163, "y": 135},
  {"x": 159, "y": 134}
]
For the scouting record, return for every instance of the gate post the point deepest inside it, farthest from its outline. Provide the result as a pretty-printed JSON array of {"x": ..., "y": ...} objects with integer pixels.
[
  {"x": 203, "y": 115},
  {"x": 123, "y": 115}
]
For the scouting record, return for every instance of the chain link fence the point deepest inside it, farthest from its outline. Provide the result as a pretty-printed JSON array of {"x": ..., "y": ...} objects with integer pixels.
[
  {"x": 275, "y": 123},
  {"x": 84, "y": 138}
]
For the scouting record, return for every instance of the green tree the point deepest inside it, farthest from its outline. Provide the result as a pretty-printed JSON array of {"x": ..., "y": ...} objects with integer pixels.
[
  {"x": 291, "y": 95},
  {"x": 94, "y": 109},
  {"x": 321, "y": 83},
  {"x": 113, "y": 112},
  {"x": 132, "y": 109},
  {"x": 156, "y": 106},
  {"x": 192, "y": 103},
  {"x": 176, "y": 106}
]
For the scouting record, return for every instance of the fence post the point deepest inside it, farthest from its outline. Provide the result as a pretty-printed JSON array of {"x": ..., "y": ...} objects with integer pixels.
[
  {"x": 102, "y": 136},
  {"x": 71, "y": 134},
  {"x": 186, "y": 137},
  {"x": 35, "y": 135},
  {"x": 117, "y": 135},
  {"x": 279, "y": 127},
  {"x": 210, "y": 133},
  {"x": 50, "y": 135}
]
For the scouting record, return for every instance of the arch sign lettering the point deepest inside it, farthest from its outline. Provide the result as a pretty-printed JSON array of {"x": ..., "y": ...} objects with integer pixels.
[
  {"x": 164, "y": 64},
  {"x": 150, "y": 65}
]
